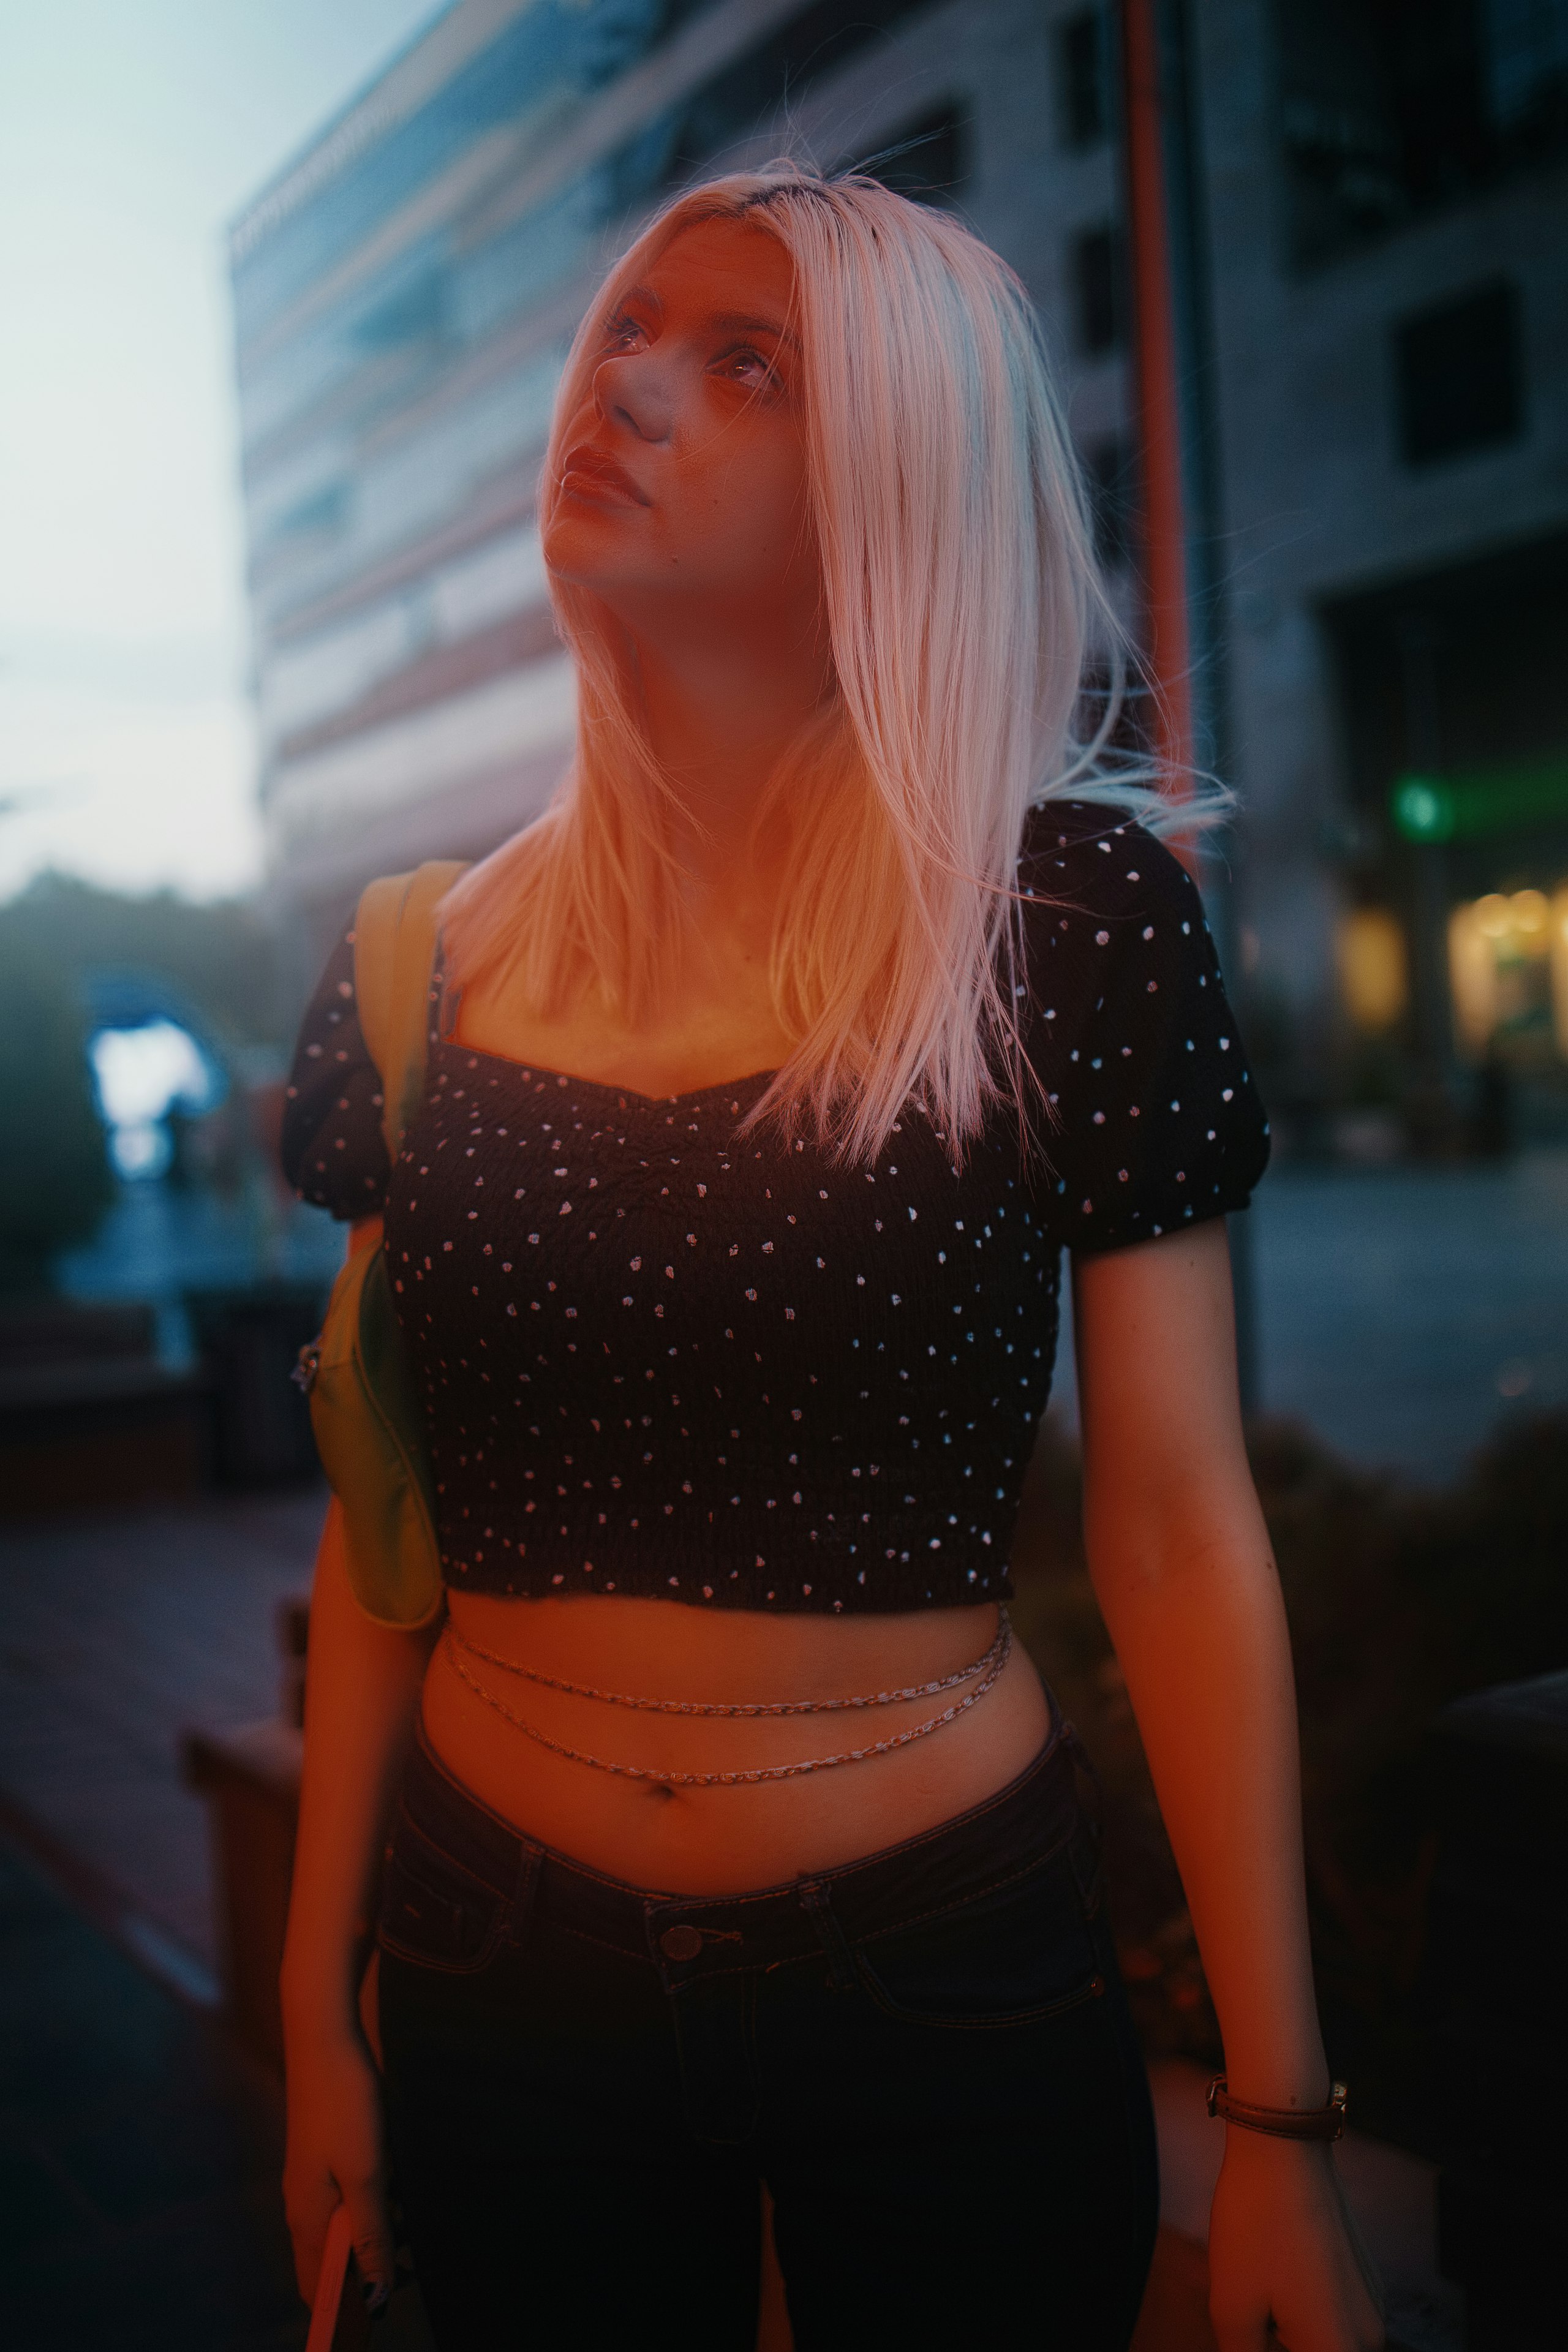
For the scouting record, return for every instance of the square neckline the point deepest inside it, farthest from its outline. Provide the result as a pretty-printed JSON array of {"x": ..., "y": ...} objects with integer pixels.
[
  {"x": 1040, "y": 810},
  {"x": 600, "y": 1086},
  {"x": 540, "y": 1070}
]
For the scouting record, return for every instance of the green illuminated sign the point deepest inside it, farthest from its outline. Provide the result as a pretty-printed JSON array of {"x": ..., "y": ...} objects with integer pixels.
[
  {"x": 1422, "y": 808},
  {"x": 1481, "y": 802}
]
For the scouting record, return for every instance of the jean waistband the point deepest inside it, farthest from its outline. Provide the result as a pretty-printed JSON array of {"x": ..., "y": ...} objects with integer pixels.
[{"x": 1023, "y": 1825}]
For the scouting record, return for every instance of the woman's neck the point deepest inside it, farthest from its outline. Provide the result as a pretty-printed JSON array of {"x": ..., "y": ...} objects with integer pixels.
[{"x": 721, "y": 716}]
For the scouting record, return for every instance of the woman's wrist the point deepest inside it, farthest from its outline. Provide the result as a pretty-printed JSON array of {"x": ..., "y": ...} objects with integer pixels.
[
  {"x": 1280, "y": 2075},
  {"x": 322, "y": 2022},
  {"x": 319, "y": 2005},
  {"x": 1296, "y": 2122},
  {"x": 1288, "y": 2094}
]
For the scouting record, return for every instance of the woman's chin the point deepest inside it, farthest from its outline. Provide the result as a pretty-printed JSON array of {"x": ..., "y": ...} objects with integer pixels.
[{"x": 581, "y": 545}]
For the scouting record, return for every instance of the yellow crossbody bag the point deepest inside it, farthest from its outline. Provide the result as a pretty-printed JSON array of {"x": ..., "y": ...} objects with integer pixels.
[{"x": 364, "y": 1410}]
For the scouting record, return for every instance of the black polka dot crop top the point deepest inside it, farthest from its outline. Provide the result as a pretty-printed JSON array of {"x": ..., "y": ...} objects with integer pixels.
[{"x": 660, "y": 1359}]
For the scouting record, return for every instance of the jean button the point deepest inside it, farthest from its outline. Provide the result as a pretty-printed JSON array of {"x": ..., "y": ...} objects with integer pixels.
[{"x": 681, "y": 1943}]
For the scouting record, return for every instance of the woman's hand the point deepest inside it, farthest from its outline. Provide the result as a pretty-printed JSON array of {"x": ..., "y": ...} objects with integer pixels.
[
  {"x": 1287, "y": 2266},
  {"x": 361, "y": 1698},
  {"x": 333, "y": 2156}
]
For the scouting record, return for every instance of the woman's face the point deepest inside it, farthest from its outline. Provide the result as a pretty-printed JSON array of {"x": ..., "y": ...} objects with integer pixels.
[{"x": 683, "y": 497}]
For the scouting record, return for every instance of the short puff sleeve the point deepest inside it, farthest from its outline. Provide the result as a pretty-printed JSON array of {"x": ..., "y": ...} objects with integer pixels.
[
  {"x": 1156, "y": 1122},
  {"x": 333, "y": 1149}
]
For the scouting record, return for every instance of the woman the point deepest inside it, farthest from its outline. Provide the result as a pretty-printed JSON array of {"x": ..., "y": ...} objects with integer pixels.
[{"x": 730, "y": 1840}]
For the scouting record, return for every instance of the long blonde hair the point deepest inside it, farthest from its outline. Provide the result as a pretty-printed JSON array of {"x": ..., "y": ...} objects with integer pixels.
[{"x": 965, "y": 606}]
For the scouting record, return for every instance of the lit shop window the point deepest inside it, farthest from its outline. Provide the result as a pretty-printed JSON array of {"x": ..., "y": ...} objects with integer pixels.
[
  {"x": 142, "y": 1075},
  {"x": 1508, "y": 967},
  {"x": 1369, "y": 953}
]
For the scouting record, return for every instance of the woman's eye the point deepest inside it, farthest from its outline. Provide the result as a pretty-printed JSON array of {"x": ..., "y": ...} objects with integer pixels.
[
  {"x": 619, "y": 332},
  {"x": 755, "y": 367}
]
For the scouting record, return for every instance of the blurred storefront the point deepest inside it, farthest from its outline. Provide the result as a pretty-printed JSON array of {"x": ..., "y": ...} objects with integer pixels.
[
  {"x": 1455, "y": 697},
  {"x": 1384, "y": 205},
  {"x": 1508, "y": 956}
]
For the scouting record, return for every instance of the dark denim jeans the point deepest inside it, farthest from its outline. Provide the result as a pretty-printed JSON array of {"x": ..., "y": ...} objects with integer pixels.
[{"x": 925, "y": 2054}]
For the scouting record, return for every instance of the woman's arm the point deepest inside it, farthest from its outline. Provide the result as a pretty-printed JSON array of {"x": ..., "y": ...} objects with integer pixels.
[
  {"x": 362, "y": 1696},
  {"x": 1182, "y": 1571}
]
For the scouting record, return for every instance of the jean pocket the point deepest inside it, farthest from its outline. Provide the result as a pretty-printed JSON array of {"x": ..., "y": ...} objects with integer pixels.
[
  {"x": 1016, "y": 1955},
  {"x": 433, "y": 1911}
]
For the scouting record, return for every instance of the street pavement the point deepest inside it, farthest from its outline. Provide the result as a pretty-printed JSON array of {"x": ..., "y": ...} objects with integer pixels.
[
  {"x": 139, "y": 2153},
  {"x": 1406, "y": 1313},
  {"x": 117, "y": 1630}
]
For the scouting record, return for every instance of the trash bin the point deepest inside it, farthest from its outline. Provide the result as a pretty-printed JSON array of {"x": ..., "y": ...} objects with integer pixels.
[{"x": 1495, "y": 1997}]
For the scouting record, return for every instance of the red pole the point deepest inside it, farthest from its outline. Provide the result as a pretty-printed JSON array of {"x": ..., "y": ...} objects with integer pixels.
[{"x": 1158, "y": 398}]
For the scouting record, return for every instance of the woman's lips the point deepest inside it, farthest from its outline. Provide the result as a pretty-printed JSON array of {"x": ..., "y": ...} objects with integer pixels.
[{"x": 587, "y": 473}]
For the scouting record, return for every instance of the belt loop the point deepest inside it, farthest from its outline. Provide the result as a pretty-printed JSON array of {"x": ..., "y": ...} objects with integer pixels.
[
  {"x": 1091, "y": 1794},
  {"x": 818, "y": 1905},
  {"x": 525, "y": 1885}
]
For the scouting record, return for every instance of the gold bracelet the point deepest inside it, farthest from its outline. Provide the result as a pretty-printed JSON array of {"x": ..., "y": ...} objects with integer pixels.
[{"x": 1282, "y": 2123}]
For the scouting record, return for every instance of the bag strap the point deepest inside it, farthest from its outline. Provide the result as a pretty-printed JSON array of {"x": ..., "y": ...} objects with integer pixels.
[{"x": 396, "y": 929}]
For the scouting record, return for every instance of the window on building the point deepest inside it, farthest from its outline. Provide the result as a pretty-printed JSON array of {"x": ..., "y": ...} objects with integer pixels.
[
  {"x": 1392, "y": 107},
  {"x": 1373, "y": 961},
  {"x": 414, "y": 313},
  {"x": 1507, "y": 974},
  {"x": 1097, "y": 271},
  {"x": 323, "y": 511},
  {"x": 1458, "y": 375},
  {"x": 1083, "y": 78},
  {"x": 928, "y": 159},
  {"x": 1111, "y": 468}
]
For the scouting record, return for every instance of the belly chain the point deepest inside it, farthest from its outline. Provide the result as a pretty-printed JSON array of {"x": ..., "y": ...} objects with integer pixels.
[{"x": 987, "y": 1669}]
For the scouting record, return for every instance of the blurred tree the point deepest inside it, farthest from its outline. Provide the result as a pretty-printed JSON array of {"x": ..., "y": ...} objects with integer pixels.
[
  {"x": 55, "y": 1179},
  {"x": 222, "y": 957}
]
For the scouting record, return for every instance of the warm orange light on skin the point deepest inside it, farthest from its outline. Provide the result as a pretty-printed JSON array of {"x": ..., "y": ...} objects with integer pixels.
[
  {"x": 699, "y": 402},
  {"x": 684, "y": 507},
  {"x": 708, "y": 555}
]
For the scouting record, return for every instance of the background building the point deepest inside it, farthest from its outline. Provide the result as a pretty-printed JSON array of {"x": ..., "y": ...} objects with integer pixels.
[
  {"x": 1388, "y": 225},
  {"x": 1381, "y": 192}
]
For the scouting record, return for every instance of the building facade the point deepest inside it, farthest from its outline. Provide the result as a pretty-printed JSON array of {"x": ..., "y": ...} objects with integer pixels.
[
  {"x": 1382, "y": 197},
  {"x": 1387, "y": 190}
]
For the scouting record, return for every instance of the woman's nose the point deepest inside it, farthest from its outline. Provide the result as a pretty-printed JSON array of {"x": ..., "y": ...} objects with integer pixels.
[{"x": 634, "y": 390}]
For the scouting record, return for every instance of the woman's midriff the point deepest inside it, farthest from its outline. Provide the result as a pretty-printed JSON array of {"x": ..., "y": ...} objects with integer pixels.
[{"x": 721, "y": 1841}]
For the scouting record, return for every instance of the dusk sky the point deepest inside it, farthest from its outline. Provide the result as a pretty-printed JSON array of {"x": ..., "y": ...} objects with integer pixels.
[{"x": 129, "y": 135}]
